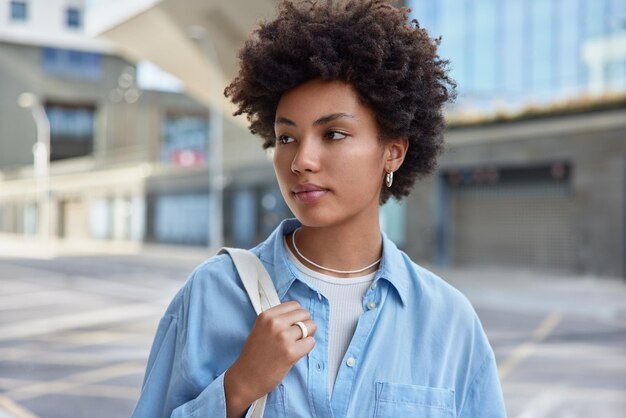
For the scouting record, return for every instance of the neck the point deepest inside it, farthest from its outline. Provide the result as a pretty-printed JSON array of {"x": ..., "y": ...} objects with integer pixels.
[{"x": 346, "y": 246}]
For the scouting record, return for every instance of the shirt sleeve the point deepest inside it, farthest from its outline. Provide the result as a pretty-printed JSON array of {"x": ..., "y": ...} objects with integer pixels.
[
  {"x": 484, "y": 397},
  {"x": 167, "y": 392},
  {"x": 210, "y": 403}
]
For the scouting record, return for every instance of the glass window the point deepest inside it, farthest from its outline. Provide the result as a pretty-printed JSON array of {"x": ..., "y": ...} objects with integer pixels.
[
  {"x": 184, "y": 140},
  {"x": 426, "y": 14},
  {"x": 513, "y": 58},
  {"x": 75, "y": 57},
  {"x": 512, "y": 52},
  {"x": 72, "y": 64},
  {"x": 454, "y": 31},
  {"x": 596, "y": 18},
  {"x": 484, "y": 48},
  {"x": 273, "y": 209},
  {"x": 101, "y": 218},
  {"x": 244, "y": 218},
  {"x": 19, "y": 11},
  {"x": 73, "y": 18},
  {"x": 190, "y": 229},
  {"x": 568, "y": 37},
  {"x": 616, "y": 10},
  {"x": 616, "y": 75},
  {"x": 71, "y": 130},
  {"x": 541, "y": 62},
  {"x": 31, "y": 215}
]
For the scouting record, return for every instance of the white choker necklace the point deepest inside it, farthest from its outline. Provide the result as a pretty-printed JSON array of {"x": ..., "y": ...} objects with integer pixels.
[{"x": 293, "y": 242}]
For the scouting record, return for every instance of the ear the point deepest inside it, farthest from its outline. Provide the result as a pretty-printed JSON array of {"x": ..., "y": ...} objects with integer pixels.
[{"x": 395, "y": 151}]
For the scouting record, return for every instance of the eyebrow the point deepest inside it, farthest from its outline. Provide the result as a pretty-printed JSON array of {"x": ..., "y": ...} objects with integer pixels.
[{"x": 321, "y": 121}]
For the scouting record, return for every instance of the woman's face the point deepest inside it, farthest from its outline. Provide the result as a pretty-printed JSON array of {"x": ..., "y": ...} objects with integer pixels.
[{"x": 328, "y": 159}]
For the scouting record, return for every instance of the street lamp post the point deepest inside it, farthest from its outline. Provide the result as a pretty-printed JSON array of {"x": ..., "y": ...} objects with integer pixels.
[
  {"x": 215, "y": 147},
  {"x": 41, "y": 159}
]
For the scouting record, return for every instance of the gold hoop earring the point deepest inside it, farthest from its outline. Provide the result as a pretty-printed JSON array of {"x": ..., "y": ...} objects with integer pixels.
[{"x": 389, "y": 179}]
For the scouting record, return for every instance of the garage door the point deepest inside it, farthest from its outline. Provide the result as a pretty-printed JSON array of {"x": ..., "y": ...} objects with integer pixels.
[{"x": 522, "y": 223}]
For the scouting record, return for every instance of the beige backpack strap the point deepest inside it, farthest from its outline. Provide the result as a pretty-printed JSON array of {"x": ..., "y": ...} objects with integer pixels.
[
  {"x": 261, "y": 292},
  {"x": 255, "y": 278}
]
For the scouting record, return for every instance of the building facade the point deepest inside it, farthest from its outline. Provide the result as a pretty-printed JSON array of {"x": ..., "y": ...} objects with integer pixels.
[
  {"x": 509, "y": 55},
  {"x": 534, "y": 174},
  {"x": 544, "y": 193},
  {"x": 129, "y": 163}
]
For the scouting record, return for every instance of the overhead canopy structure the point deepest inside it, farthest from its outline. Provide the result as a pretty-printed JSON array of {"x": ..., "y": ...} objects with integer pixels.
[{"x": 195, "y": 40}]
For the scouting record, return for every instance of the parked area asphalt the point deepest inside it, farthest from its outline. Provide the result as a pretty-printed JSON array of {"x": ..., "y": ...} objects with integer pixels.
[{"x": 75, "y": 334}]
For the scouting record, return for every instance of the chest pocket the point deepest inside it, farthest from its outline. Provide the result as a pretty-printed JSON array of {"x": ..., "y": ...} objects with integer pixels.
[
  {"x": 275, "y": 405},
  {"x": 395, "y": 400}
]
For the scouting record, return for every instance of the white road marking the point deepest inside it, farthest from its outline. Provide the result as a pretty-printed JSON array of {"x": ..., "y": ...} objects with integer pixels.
[
  {"x": 14, "y": 409},
  {"x": 33, "y": 328},
  {"x": 71, "y": 359},
  {"x": 34, "y": 299}
]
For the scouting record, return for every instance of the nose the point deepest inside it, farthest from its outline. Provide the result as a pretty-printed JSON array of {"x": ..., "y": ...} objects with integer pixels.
[{"x": 307, "y": 158}]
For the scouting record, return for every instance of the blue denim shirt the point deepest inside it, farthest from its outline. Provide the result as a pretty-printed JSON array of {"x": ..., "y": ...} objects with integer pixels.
[{"x": 418, "y": 350}]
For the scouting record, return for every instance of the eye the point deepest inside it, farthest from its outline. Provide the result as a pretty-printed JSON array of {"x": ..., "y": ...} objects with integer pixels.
[
  {"x": 335, "y": 135},
  {"x": 284, "y": 139}
]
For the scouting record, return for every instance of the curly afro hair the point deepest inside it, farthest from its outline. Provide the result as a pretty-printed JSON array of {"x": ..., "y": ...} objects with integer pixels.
[{"x": 390, "y": 61}]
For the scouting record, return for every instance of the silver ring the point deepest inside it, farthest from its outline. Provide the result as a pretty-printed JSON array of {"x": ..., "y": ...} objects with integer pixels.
[{"x": 305, "y": 332}]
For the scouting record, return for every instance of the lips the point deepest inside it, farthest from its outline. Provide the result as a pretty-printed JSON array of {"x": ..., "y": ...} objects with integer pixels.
[{"x": 309, "y": 193}]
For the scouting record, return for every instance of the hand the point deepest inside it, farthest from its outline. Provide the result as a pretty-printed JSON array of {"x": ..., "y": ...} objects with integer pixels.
[{"x": 272, "y": 348}]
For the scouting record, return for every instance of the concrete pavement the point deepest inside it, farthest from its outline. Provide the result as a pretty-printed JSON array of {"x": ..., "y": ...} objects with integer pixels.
[{"x": 560, "y": 340}]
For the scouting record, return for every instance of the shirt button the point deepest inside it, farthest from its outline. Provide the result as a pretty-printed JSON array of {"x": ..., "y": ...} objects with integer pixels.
[
  {"x": 351, "y": 362},
  {"x": 319, "y": 295},
  {"x": 371, "y": 305},
  {"x": 374, "y": 286}
]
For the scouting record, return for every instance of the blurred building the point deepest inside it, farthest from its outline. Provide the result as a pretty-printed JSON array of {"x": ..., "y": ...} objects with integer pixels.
[
  {"x": 508, "y": 55},
  {"x": 534, "y": 176},
  {"x": 535, "y": 172},
  {"x": 131, "y": 145},
  {"x": 129, "y": 150}
]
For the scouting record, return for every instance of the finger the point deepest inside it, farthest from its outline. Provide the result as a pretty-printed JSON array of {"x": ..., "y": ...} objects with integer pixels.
[
  {"x": 304, "y": 346},
  {"x": 294, "y": 316},
  {"x": 281, "y": 309},
  {"x": 284, "y": 307}
]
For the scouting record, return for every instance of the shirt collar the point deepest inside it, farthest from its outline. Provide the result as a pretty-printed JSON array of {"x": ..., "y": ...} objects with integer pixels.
[{"x": 393, "y": 267}]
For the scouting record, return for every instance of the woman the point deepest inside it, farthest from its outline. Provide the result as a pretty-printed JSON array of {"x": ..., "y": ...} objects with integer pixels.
[{"x": 349, "y": 95}]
